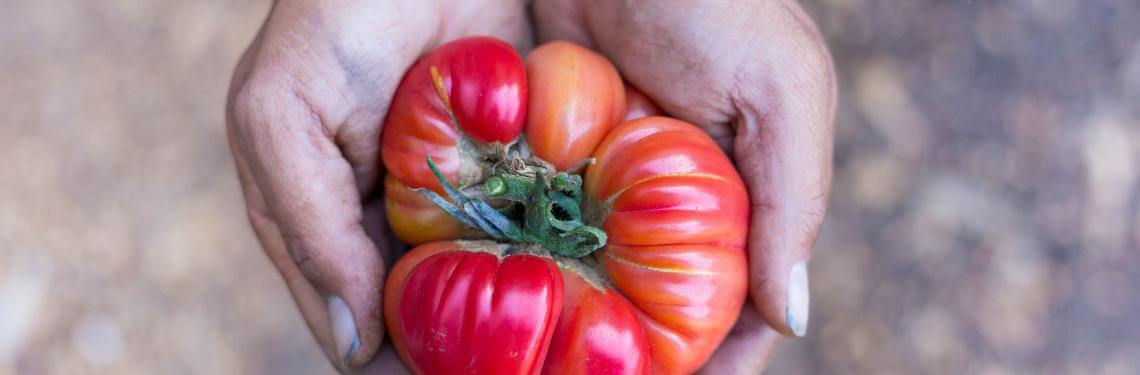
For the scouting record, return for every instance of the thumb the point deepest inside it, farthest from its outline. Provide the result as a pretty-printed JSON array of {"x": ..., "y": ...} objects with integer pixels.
[{"x": 305, "y": 208}]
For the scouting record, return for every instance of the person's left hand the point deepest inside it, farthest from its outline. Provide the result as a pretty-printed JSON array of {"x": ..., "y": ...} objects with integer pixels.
[{"x": 758, "y": 78}]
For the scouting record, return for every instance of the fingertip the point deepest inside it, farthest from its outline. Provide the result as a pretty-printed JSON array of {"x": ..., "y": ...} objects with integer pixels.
[
  {"x": 798, "y": 297},
  {"x": 357, "y": 328},
  {"x": 346, "y": 340},
  {"x": 781, "y": 293},
  {"x": 347, "y": 274}
]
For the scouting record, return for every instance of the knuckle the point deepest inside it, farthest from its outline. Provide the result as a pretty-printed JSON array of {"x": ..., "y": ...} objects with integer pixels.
[
  {"x": 813, "y": 217},
  {"x": 271, "y": 92},
  {"x": 252, "y": 99},
  {"x": 802, "y": 219}
]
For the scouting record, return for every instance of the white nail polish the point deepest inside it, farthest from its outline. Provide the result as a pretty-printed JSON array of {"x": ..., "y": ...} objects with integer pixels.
[
  {"x": 799, "y": 297},
  {"x": 343, "y": 329}
]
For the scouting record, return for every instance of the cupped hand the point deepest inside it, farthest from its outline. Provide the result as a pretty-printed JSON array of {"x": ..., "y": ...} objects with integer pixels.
[
  {"x": 758, "y": 78},
  {"x": 303, "y": 118},
  {"x": 309, "y": 94}
]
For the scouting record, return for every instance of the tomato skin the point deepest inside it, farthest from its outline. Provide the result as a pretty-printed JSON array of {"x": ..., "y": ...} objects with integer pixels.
[
  {"x": 484, "y": 81},
  {"x": 688, "y": 296},
  {"x": 676, "y": 213},
  {"x": 394, "y": 286},
  {"x": 414, "y": 218},
  {"x": 475, "y": 312},
  {"x": 485, "y": 85},
  {"x": 598, "y": 332},
  {"x": 576, "y": 96},
  {"x": 488, "y": 88}
]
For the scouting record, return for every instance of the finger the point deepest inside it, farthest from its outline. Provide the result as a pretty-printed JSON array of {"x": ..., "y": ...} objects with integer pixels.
[
  {"x": 314, "y": 307},
  {"x": 783, "y": 147},
  {"x": 308, "y": 300},
  {"x": 787, "y": 169},
  {"x": 306, "y": 205},
  {"x": 310, "y": 303},
  {"x": 747, "y": 349},
  {"x": 265, "y": 229}
]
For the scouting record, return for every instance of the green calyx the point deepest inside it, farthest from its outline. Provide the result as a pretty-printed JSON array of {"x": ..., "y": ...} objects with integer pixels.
[{"x": 541, "y": 210}]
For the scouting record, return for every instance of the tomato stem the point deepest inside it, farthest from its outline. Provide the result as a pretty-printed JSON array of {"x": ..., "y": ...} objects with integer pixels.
[
  {"x": 514, "y": 188},
  {"x": 551, "y": 211}
]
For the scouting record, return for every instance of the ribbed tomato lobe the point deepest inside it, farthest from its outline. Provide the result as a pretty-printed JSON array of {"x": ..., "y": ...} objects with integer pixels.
[
  {"x": 486, "y": 85},
  {"x": 459, "y": 105},
  {"x": 472, "y": 312},
  {"x": 598, "y": 333}
]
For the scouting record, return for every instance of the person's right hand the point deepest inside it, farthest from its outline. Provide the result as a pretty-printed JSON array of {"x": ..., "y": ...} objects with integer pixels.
[
  {"x": 757, "y": 76},
  {"x": 303, "y": 118}
]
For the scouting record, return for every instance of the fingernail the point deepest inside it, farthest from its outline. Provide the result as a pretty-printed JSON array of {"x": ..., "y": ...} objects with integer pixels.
[
  {"x": 343, "y": 329},
  {"x": 798, "y": 299}
]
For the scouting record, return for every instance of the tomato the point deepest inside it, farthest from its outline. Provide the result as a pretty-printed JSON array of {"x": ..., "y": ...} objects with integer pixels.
[
  {"x": 598, "y": 331},
  {"x": 583, "y": 244},
  {"x": 676, "y": 213},
  {"x": 485, "y": 311},
  {"x": 415, "y": 219},
  {"x": 468, "y": 93},
  {"x": 576, "y": 97}
]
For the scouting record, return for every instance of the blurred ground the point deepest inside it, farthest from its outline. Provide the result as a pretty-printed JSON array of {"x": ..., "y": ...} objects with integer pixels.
[{"x": 984, "y": 214}]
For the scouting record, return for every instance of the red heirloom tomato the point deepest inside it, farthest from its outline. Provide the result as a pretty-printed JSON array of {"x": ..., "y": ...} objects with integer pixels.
[
  {"x": 526, "y": 264},
  {"x": 473, "y": 310},
  {"x": 466, "y": 97}
]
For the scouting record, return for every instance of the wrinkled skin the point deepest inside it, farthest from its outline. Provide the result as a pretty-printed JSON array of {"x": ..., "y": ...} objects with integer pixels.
[{"x": 309, "y": 95}]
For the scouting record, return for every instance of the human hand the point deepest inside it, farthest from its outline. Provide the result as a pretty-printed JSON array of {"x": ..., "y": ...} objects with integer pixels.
[
  {"x": 303, "y": 119},
  {"x": 758, "y": 78}
]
